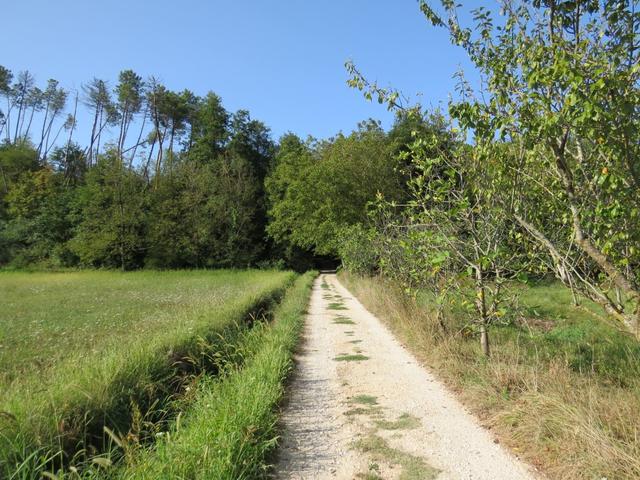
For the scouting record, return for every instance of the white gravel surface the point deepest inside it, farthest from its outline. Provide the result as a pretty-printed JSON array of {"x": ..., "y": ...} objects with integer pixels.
[{"x": 323, "y": 420}]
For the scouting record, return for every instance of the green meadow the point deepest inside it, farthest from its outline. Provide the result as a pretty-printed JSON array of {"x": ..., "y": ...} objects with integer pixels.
[{"x": 98, "y": 364}]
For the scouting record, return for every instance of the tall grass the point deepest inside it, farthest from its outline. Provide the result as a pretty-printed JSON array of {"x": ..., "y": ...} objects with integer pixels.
[
  {"x": 562, "y": 387},
  {"x": 56, "y": 416},
  {"x": 229, "y": 431}
]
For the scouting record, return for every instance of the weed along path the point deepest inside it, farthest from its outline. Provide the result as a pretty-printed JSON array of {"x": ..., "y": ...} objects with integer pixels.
[{"x": 361, "y": 407}]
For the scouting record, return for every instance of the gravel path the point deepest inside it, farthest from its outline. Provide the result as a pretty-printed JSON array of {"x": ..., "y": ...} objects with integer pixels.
[{"x": 360, "y": 406}]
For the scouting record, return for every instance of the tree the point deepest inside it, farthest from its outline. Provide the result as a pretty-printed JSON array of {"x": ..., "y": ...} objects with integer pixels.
[
  {"x": 6, "y": 76},
  {"x": 251, "y": 139},
  {"x": 35, "y": 102},
  {"x": 315, "y": 193},
  {"x": 457, "y": 202},
  {"x": 563, "y": 84},
  {"x": 20, "y": 94},
  {"x": 209, "y": 129},
  {"x": 237, "y": 233},
  {"x": 54, "y": 100},
  {"x": 177, "y": 236},
  {"x": 113, "y": 211},
  {"x": 40, "y": 210},
  {"x": 129, "y": 93},
  {"x": 206, "y": 215},
  {"x": 15, "y": 160},
  {"x": 70, "y": 161},
  {"x": 156, "y": 99},
  {"x": 98, "y": 98},
  {"x": 179, "y": 109}
]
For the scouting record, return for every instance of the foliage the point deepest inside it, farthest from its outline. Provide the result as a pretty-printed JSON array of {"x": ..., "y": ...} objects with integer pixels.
[
  {"x": 41, "y": 212},
  {"x": 357, "y": 249},
  {"x": 549, "y": 183},
  {"x": 205, "y": 215},
  {"x": 188, "y": 191},
  {"x": 317, "y": 192},
  {"x": 563, "y": 86},
  {"x": 14, "y": 160},
  {"x": 112, "y": 230}
]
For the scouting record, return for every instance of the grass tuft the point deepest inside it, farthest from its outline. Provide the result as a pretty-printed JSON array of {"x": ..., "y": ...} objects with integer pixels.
[
  {"x": 413, "y": 468},
  {"x": 365, "y": 399},
  {"x": 350, "y": 358},
  {"x": 336, "y": 306},
  {"x": 405, "y": 421},
  {"x": 343, "y": 321}
]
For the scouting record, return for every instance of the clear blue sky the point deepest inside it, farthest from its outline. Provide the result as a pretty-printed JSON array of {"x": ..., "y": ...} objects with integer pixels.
[{"x": 283, "y": 60}]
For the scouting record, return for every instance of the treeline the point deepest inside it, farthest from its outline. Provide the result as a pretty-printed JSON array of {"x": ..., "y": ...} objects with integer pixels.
[
  {"x": 187, "y": 191},
  {"x": 550, "y": 183},
  {"x": 172, "y": 180}
]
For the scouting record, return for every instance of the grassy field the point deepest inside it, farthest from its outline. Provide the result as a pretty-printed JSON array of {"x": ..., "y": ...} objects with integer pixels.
[
  {"x": 46, "y": 318},
  {"x": 561, "y": 388},
  {"x": 229, "y": 433},
  {"x": 81, "y": 351}
]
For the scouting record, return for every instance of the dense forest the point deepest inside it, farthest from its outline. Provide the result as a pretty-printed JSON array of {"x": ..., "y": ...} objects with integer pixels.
[
  {"x": 194, "y": 186},
  {"x": 534, "y": 175},
  {"x": 184, "y": 190}
]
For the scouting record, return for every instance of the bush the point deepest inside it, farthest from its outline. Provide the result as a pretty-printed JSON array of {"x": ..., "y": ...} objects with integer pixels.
[{"x": 357, "y": 249}]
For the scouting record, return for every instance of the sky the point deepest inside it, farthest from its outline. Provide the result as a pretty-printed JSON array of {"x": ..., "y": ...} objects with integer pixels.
[{"x": 283, "y": 60}]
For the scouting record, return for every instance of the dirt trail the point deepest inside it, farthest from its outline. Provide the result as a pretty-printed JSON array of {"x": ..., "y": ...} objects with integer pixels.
[{"x": 360, "y": 406}]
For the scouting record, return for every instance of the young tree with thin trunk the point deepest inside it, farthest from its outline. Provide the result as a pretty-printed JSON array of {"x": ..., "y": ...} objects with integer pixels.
[
  {"x": 5, "y": 88},
  {"x": 20, "y": 93},
  {"x": 457, "y": 199},
  {"x": 98, "y": 99},
  {"x": 129, "y": 94},
  {"x": 157, "y": 100},
  {"x": 35, "y": 103},
  {"x": 55, "y": 100}
]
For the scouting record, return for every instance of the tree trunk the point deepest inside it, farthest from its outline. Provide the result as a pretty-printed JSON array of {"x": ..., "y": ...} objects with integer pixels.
[
  {"x": 481, "y": 306},
  {"x": 614, "y": 274},
  {"x": 7, "y": 118},
  {"x": 20, "y": 106},
  {"x": 120, "y": 134},
  {"x": 484, "y": 340},
  {"x": 73, "y": 126},
  {"x": 93, "y": 138},
  {"x": 4, "y": 180},
  {"x": 26, "y": 133},
  {"x": 135, "y": 148},
  {"x": 161, "y": 137},
  {"x": 44, "y": 126},
  {"x": 99, "y": 133}
]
